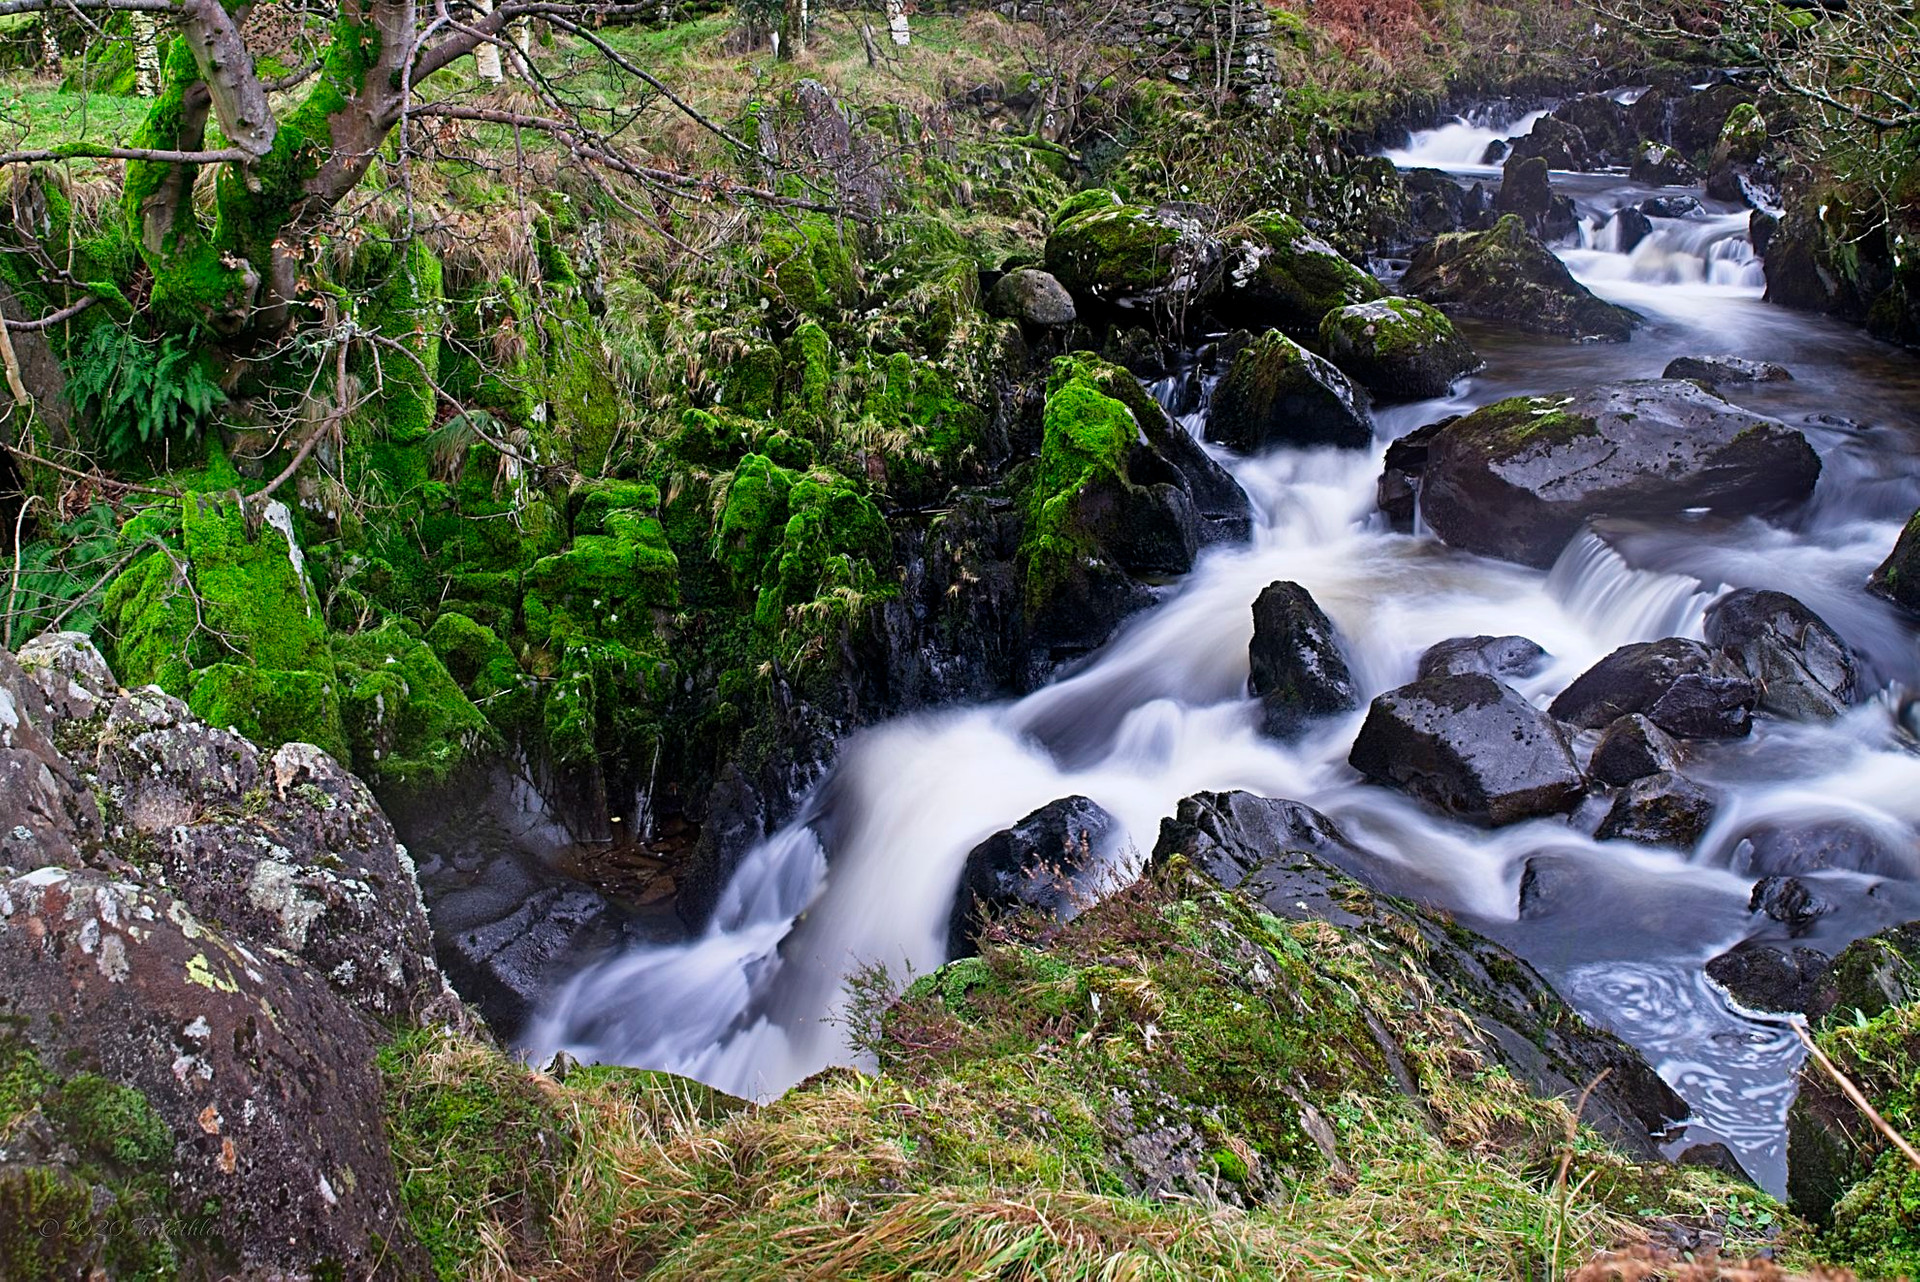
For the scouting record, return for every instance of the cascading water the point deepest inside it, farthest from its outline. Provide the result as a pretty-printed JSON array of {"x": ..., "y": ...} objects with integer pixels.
[
  {"x": 867, "y": 874},
  {"x": 1460, "y": 145}
]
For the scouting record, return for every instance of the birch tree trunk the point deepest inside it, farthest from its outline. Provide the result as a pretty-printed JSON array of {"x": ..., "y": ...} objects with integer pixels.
[
  {"x": 146, "y": 54},
  {"x": 486, "y": 58}
]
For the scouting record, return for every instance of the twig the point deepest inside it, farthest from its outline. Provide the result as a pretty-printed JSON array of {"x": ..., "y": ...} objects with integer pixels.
[
  {"x": 108, "y": 481},
  {"x": 1855, "y": 1094},
  {"x": 48, "y": 322},
  {"x": 19, "y": 558}
]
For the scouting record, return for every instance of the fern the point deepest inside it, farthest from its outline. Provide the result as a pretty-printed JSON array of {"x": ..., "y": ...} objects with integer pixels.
[
  {"x": 139, "y": 394},
  {"x": 59, "y": 576}
]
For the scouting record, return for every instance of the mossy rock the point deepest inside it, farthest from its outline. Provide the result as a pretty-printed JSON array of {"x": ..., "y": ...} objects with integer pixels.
[
  {"x": 811, "y": 267},
  {"x": 409, "y": 724},
  {"x": 1400, "y": 349},
  {"x": 1110, "y": 254},
  {"x": 271, "y": 706},
  {"x": 1276, "y": 392},
  {"x": 1507, "y": 276},
  {"x": 1898, "y": 577},
  {"x": 1281, "y": 275}
]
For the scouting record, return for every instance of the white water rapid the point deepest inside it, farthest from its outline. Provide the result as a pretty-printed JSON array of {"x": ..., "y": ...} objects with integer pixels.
[{"x": 867, "y": 874}]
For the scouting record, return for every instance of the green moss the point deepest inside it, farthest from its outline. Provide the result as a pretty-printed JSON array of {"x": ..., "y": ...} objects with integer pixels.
[
  {"x": 271, "y": 706},
  {"x": 1876, "y": 1222},
  {"x": 1085, "y": 438},
  {"x": 408, "y": 723},
  {"x": 1522, "y": 420},
  {"x": 810, "y": 267},
  {"x": 1112, "y": 251},
  {"x": 46, "y": 1225},
  {"x": 112, "y": 1123},
  {"x": 593, "y": 501},
  {"x": 809, "y": 378}
]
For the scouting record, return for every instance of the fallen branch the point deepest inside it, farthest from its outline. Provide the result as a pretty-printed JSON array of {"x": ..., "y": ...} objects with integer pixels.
[{"x": 1855, "y": 1094}]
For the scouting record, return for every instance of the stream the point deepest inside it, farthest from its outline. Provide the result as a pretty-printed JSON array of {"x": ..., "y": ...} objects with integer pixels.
[{"x": 867, "y": 872}]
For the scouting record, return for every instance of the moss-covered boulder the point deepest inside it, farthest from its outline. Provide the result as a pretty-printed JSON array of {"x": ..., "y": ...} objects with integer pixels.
[
  {"x": 1737, "y": 154},
  {"x": 1280, "y": 275},
  {"x": 408, "y": 723},
  {"x": 1519, "y": 478},
  {"x": 1400, "y": 349},
  {"x": 1506, "y": 275},
  {"x": 1157, "y": 260},
  {"x": 1657, "y": 165},
  {"x": 1276, "y": 392},
  {"x": 1898, "y": 577}
]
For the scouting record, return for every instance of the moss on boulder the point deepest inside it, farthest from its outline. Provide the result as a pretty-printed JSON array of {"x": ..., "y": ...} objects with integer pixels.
[
  {"x": 1109, "y": 254},
  {"x": 1276, "y": 392},
  {"x": 1506, "y": 275},
  {"x": 1281, "y": 275},
  {"x": 1400, "y": 349}
]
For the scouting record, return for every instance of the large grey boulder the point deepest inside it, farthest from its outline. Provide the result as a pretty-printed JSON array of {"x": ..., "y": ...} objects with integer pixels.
[
  {"x": 1507, "y": 276},
  {"x": 1471, "y": 747},
  {"x": 1295, "y": 665},
  {"x": 1803, "y": 668},
  {"x": 1680, "y": 686},
  {"x": 1519, "y": 478}
]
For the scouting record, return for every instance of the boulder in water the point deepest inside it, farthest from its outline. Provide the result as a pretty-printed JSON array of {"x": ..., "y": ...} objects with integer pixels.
[
  {"x": 1632, "y": 748},
  {"x": 1498, "y": 657},
  {"x": 1296, "y": 668},
  {"x": 1400, "y": 349},
  {"x": 1662, "y": 809},
  {"x": 1044, "y": 862},
  {"x": 1734, "y": 165},
  {"x": 1436, "y": 203},
  {"x": 1527, "y": 193},
  {"x": 1658, "y": 165},
  {"x": 1033, "y": 296},
  {"x": 1519, "y": 478},
  {"x": 1506, "y": 275},
  {"x": 1726, "y": 369},
  {"x": 1398, "y": 493},
  {"x": 1471, "y": 747},
  {"x": 1276, "y": 392},
  {"x": 1631, "y": 226},
  {"x": 1801, "y": 665},
  {"x": 1789, "y": 901},
  {"x": 1763, "y": 975},
  {"x": 1793, "y": 848},
  {"x": 1676, "y": 683},
  {"x": 1603, "y": 126},
  {"x": 1160, "y": 260},
  {"x": 1672, "y": 207},
  {"x": 1280, "y": 275},
  {"x": 1898, "y": 577},
  {"x": 1554, "y": 142}
]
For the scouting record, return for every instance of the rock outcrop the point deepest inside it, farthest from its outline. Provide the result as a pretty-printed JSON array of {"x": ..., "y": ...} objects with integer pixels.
[
  {"x": 1507, "y": 276},
  {"x": 1048, "y": 862},
  {"x": 208, "y": 942},
  {"x": 1276, "y": 392}
]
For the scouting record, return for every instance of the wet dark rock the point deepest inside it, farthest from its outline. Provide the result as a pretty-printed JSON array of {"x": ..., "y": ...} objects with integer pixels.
[
  {"x": 1499, "y": 657},
  {"x": 1698, "y": 119},
  {"x": 1300, "y": 866},
  {"x": 1157, "y": 261},
  {"x": 1033, "y": 296},
  {"x": 1713, "y": 1157},
  {"x": 1400, "y": 349},
  {"x": 1873, "y": 975},
  {"x": 1519, "y": 478},
  {"x": 1789, "y": 901},
  {"x": 1779, "y": 848},
  {"x": 1506, "y": 275},
  {"x": 1527, "y": 193},
  {"x": 1663, "y": 809},
  {"x": 1658, "y": 165},
  {"x": 1296, "y": 668},
  {"x": 1631, "y": 748},
  {"x": 1631, "y": 227},
  {"x": 1678, "y": 684},
  {"x": 508, "y": 936},
  {"x": 1471, "y": 747},
  {"x": 1672, "y": 207},
  {"x": 1436, "y": 203},
  {"x": 1726, "y": 369},
  {"x": 1803, "y": 668},
  {"x": 1629, "y": 680},
  {"x": 1769, "y": 976},
  {"x": 1898, "y": 577},
  {"x": 1398, "y": 491},
  {"x": 1044, "y": 862},
  {"x": 1605, "y": 131},
  {"x": 1276, "y": 392},
  {"x": 1554, "y": 142},
  {"x": 1701, "y": 706}
]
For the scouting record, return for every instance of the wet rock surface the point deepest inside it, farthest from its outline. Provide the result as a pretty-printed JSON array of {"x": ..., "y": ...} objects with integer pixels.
[
  {"x": 1471, "y": 747},
  {"x": 1519, "y": 478},
  {"x": 1803, "y": 668},
  {"x": 1399, "y": 349},
  {"x": 1726, "y": 369},
  {"x": 1299, "y": 865},
  {"x": 1631, "y": 748},
  {"x": 1662, "y": 809},
  {"x": 1046, "y": 862},
  {"x": 1791, "y": 848},
  {"x": 1499, "y": 657},
  {"x": 1276, "y": 392},
  {"x": 1768, "y": 976},
  {"x": 217, "y": 938},
  {"x": 1296, "y": 668},
  {"x": 1507, "y": 276}
]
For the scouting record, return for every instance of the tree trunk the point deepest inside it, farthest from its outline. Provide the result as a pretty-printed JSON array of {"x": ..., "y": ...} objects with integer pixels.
[
  {"x": 486, "y": 58},
  {"x": 793, "y": 30},
  {"x": 146, "y": 54},
  {"x": 897, "y": 22}
]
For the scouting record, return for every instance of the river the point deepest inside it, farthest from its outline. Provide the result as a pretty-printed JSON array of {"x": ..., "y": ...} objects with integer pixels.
[{"x": 1161, "y": 712}]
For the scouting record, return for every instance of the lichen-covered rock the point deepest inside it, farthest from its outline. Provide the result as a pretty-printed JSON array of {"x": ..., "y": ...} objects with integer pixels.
[
  {"x": 1048, "y": 862},
  {"x": 1296, "y": 669},
  {"x": 1506, "y": 275},
  {"x": 1280, "y": 275},
  {"x": 47, "y": 814},
  {"x": 71, "y": 672},
  {"x": 1159, "y": 261},
  {"x": 1030, "y": 295},
  {"x": 1658, "y": 165},
  {"x": 1276, "y": 392},
  {"x": 237, "y": 1080},
  {"x": 1801, "y": 665},
  {"x": 1519, "y": 478},
  {"x": 1400, "y": 349},
  {"x": 1471, "y": 747}
]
